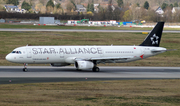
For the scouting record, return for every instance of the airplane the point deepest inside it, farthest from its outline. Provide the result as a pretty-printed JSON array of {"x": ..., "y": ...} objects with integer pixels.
[{"x": 87, "y": 57}]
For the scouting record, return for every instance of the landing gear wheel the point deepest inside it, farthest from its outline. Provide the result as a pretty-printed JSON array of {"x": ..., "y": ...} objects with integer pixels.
[
  {"x": 78, "y": 70},
  {"x": 25, "y": 69},
  {"x": 96, "y": 69}
]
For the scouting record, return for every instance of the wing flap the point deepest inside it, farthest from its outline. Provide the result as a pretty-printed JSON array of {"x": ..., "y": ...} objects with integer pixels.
[{"x": 112, "y": 58}]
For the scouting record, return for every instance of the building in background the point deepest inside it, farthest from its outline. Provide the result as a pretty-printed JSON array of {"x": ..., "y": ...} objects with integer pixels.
[
  {"x": 46, "y": 20},
  {"x": 2, "y": 21},
  {"x": 80, "y": 8},
  {"x": 11, "y": 8}
]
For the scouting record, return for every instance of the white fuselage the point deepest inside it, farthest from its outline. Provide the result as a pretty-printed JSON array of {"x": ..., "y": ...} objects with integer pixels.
[{"x": 68, "y": 54}]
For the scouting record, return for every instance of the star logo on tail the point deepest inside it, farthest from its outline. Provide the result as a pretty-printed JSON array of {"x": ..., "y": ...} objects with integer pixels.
[{"x": 154, "y": 39}]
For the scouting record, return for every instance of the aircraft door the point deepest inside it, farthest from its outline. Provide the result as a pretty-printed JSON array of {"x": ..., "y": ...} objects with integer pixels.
[
  {"x": 102, "y": 53},
  {"x": 61, "y": 56},
  {"x": 28, "y": 50},
  {"x": 142, "y": 51},
  {"x": 145, "y": 52}
]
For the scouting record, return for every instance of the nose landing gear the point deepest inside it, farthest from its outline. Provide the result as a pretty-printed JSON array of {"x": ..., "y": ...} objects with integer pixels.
[{"x": 25, "y": 68}]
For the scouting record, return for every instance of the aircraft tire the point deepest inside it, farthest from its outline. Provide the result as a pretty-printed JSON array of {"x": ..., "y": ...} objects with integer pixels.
[
  {"x": 96, "y": 69},
  {"x": 78, "y": 70},
  {"x": 25, "y": 69}
]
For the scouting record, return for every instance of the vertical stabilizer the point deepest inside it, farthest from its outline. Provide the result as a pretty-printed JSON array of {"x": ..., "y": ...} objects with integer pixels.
[{"x": 154, "y": 37}]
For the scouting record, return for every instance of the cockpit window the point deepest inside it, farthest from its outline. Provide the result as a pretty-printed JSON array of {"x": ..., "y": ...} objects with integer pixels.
[
  {"x": 17, "y": 52},
  {"x": 13, "y": 52}
]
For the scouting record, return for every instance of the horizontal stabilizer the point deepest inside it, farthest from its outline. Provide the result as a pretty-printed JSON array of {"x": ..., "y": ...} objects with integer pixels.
[
  {"x": 171, "y": 50},
  {"x": 162, "y": 50},
  {"x": 155, "y": 51}
]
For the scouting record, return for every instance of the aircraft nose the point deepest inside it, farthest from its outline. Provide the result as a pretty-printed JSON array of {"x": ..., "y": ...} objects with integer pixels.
[{"x": 8, "y": 57}]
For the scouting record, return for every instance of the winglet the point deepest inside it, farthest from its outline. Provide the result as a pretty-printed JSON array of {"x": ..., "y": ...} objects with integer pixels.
[{"x": 154, "y": 37}]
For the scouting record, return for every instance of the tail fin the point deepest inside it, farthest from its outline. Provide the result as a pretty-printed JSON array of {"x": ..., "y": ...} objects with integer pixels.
[{"x": 154, "y": 37}]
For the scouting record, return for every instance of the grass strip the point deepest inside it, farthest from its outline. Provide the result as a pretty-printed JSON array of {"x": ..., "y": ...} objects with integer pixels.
[{"x": 93, "y": 93}]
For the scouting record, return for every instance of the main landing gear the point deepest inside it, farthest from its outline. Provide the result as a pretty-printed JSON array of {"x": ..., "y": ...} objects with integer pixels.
[
  {"x": 25, "y": 68},
  {"x": 95, "y": 68}
]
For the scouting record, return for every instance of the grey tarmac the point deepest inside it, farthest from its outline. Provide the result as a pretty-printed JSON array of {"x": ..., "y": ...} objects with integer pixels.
[{"x": 35, "y": 74}]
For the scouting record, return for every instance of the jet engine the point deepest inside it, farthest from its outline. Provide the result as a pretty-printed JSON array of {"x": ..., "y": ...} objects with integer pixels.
[
  {"x": 84, "y": 65},
  {"x": 59, "y": 64}
]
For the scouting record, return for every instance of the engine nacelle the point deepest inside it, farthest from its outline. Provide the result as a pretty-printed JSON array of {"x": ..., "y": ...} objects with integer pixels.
[
  {"x": 84, "y": 64},
  {"x": 59, "y": 64}
]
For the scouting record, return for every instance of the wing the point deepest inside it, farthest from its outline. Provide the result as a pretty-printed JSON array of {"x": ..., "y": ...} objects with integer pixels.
[
  {"x": 111, "y": 58},
  {"x": 106, "y": 59}
]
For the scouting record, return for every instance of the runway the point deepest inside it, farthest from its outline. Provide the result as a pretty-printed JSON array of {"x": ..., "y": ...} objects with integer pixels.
[
  {"x": 14, "y": 74},
  {"x": 77, "y": 30}
]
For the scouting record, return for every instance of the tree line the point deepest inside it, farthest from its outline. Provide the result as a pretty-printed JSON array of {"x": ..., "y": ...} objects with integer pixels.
[
  {"x": 122, "y": 12},
  {"x": 5, "y": 15}
]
